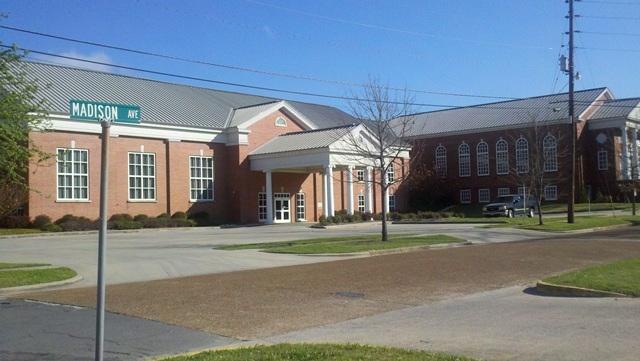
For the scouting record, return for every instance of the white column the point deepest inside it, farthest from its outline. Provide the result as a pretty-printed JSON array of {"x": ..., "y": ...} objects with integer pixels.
[
  {"x": 350, "y": 190},
  {"x": 634, "y": 153},
  {"x": 269, "y": 191},
  {"x": 368, "y": 196},
  {"x": 325, "y": 193},
  {"x": 624, "y": 168},
  {"x": 330, "y": 199}
]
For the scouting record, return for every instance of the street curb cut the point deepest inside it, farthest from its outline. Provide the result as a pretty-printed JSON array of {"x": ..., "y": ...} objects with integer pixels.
[
  {"x": 550, "y": 289},
  {"x": 19, "y": 289}
]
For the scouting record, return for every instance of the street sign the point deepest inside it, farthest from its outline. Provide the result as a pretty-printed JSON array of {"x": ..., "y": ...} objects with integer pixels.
[{"x": 90, "y": 110}]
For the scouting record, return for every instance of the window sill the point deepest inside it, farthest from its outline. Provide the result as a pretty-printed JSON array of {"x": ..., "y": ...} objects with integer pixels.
[
  {"x": 142, "y": 201},
  {"x": 201, "y": 201},
  {"x": 73, "y": 201}
]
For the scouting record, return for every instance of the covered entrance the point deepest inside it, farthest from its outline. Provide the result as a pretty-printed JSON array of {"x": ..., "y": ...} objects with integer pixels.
[{"x": 282, "y": 208}]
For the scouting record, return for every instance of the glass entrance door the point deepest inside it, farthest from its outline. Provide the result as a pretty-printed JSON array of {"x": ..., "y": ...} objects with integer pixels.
[{"x": 282, "y": 212}]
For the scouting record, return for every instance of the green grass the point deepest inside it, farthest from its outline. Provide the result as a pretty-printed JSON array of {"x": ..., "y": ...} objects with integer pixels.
[
  {"x": 12, "y": 231},
  {"x": 346, "y": 244},
  {"x": 4, "y": 265},
  {"x": 317, "y": 352},
  {"x": 14, "y": 278},
  {"x": 621, "y": 277},
  {"x": 475, "y": 210},
  {"x": 559, "y": 224}
]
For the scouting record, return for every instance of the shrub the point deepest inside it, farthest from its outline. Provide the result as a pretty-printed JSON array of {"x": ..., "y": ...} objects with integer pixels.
[
  {"x": 338, "y": 218},
  {"x": 179, "y": 222},
  {"x": 140, "y": 218},
  {"x": 366, "y": 216},
  {"x": 69, "y": 222},
  {"x": 179, "y": 215},
  {"x": 349, "y": 218},
  {"x": 201, "y": 218},
  {"x": 121, "y": 217},
  {"x": 124, "y": 224},
  {"x": 164, "y": 215},
  {"x": 41, "y": 221},
  {"x": 15, "y": 222},
  {"x": 322, "y": 220},
  {"x": 377, "y": 216},
  {"x": 155, "y": 222},
  {"x": 51, "y": 228}
]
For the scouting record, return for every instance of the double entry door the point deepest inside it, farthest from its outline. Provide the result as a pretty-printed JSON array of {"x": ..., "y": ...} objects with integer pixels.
[{"x": 282, "y": 207}]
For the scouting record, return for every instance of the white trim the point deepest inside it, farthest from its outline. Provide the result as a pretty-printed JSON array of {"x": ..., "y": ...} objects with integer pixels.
[
  {"x": 503, "y": 153},
  {"x": 486, "y": 161},
  {"x": 202, "y": 178},
  {"x": 155, "y": 180},
  {"x": 602, "y": 166},
  {"x": 487, "y": 192},
  {"x": 465, "y": 191},
  {"x": 468, "y": 156},
  {"x": 553, "y": 190},
  {"x": 72, "y": 199},
  {"x": 283, "y": 122},
  {"x": 277, "y": 106}
]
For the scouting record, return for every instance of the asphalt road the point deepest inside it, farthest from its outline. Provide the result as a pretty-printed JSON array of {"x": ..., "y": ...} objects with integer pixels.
[
  {"x": 32, "y": 331},
  {"x": 160, "y": 254}
]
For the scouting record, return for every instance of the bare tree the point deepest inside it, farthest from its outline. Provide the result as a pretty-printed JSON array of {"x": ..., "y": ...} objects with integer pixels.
[{"x": 389, "y": 121}]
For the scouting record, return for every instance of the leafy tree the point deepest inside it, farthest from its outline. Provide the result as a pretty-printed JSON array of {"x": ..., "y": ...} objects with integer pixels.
[{"x": 20, "y": 112}]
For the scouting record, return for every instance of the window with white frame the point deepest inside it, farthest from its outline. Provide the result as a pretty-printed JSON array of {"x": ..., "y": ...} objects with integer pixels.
[
  {"x": 391, "y": 174},
  {"x": 201, "y": 178},
  {"x": 502, "y": 157},
  {"x": 73, "y": 174},
  {"x": 484, "y": 195},
  {"x": 465, "y": 196},
  {"x": 300, "y": 207},
  {"x": 603, "y": 160},
  {"x": 482, "y": 155},
  {"x": 441, "y": 161},
  {"x": 262, "y": 206},
  {"x": 392, "y": 202},
  {"x": 522, "y": 156},
  {"x": 361, "y": 204},
  {"x": 551, "y": 193},
  {"x": 550, "y": 152},
  {"x": 360, "y": 175},
  {"x": 464, "y": 160},
  {"x": 142, "y": 176},
  {"x": 504, "y": 191},
  {"x": 281, "y": 122}
]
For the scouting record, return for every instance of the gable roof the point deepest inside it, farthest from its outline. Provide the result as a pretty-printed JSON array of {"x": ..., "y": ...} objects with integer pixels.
[
  {"x": 618, "y": 108},
  {"x": 163, "y": 102},
  {"x": 511, "y": 113},
  {"x": 306, "y": 140}
]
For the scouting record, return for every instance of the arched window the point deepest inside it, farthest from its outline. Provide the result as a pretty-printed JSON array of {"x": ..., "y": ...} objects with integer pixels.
[
  {"x": 550, "y": 151},
  {"x": 482, "y": 154},
  {"x": 441, "y": 161},
  {"x": 522, "y": 155},
  {"x": 502, "y": 157},
  {"x": 464, "y": 160}
]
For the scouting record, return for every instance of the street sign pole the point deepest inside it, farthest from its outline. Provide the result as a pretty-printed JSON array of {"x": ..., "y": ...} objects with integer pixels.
[{"x": 102, "y": 239}]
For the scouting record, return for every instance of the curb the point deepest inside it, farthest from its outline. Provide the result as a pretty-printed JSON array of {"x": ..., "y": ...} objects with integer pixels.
[
  {"x": 550, "y": 289},
  {"x": 9, "y": 290},
  {"x": 110, "y": 231},
  {"x": 595, "y": 229},
  {"x": 390, "y": 251}
]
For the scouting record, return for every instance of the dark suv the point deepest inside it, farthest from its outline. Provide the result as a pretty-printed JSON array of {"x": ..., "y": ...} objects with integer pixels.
[{"x": 510, "y": 206}]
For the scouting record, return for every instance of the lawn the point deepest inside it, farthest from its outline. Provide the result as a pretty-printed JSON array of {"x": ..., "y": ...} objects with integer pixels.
[
  {"x": 4, "y": 265},
  {"x": 24, "y": 277},
  {"x": 621, "y": 277},
  {"x": 346, "y": 244},
  {"x": 12, "y": 231},
  {"x": 475, "y": 210},
  {"x": 559, "y": 224},
  {"x": 313, "y": 352}
]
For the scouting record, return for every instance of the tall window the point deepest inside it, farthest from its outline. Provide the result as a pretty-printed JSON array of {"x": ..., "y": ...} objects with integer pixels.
[
  {"x": 262, "y": 206},
  {"x": 482, "y": 154},
  {"x": 502, "y": 157},
  {"x": 550, "y": 151},
  {"x": 360, "y": 175},
  {"x": 484, "y": 195},
  {"x": 391, "y": 174},
  {"x": 441, "y": 161},
  {"x": 361, "y": 203},
  {"x": 551, "y": 193},
  {"x": 465, "y": 196},
  {"x": 392, "y": 202},
  {"x": 603, "y": 160},
  {"x": 522, "y": 156},
  {"x": 73, "y": 174},
  {"x": 142, "y": 176},
  {"x": 201, "y": 176},
  {"x": 300, "y": 208},
  {"x": 464, "y": 160}
]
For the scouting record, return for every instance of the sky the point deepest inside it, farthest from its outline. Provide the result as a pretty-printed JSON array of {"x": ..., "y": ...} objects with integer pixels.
[{"x": 502, "y": 48}]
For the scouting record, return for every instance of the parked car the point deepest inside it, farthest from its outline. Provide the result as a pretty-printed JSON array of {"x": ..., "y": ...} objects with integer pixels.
[{"x": 510, "y": 206}]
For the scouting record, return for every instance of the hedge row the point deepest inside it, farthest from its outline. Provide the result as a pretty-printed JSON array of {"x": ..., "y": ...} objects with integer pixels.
[{"x": 343, "y": 217}]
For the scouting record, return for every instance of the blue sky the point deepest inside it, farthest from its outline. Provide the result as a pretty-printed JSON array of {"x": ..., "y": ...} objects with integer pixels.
[{"x": 495, "y": 47}]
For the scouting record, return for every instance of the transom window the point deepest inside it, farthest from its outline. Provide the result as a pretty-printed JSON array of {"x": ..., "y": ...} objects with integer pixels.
[
  {"x": 361, "y": 203},
  {"x": 262, "y": 206},
  {"x": 550, "y": 151},
  {"x": 73, "y": 174},
  {"x": 465, "y": 196},
  {"x": 603, "y": 160},
  {"x": 551, "y": 193},
  {"x": 522, "y": 156},
  {"x": 484, "y": 195},
  {"x": 504, "y": 192},
  {"x": 464, "y": 160},
  {"x": 201, "y": 176},
  {"x": 300, "y": 208},
  {"x": 502, "y": 157},
  {"x": 441, "y": 161},
  {"x": 482, "y": 154},
  {"x": 360, "y": 175},
  {"x": 142, "y": 176}
]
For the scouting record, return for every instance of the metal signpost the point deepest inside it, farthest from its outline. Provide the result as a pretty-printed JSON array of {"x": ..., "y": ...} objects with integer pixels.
[{"x": 105, "y": 113}]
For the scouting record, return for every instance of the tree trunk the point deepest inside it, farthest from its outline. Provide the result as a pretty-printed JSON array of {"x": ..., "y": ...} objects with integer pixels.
[
  {"x": 633, "y": 201},
  {"x": 385, "y": 235},
  {"x": 538, "y": 205}
]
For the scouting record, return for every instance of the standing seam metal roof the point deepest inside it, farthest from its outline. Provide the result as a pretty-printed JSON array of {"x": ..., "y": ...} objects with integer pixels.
[
  {"x": 617, "y": 108},
  {"x": 312, "y": 139}
]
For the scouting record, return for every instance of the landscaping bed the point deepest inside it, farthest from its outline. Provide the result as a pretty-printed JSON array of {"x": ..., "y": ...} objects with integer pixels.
[
  {"x": 21, "y": 275},
  {"x": 317, "y": 352},
  {"x": 337, "y": 245}
]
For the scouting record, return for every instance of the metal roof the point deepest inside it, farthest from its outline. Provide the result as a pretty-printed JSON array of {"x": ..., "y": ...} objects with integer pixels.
[
  {"x": 618, "y": 108},
  {"x": 162, "y": 102},
  {"x": 506, "y": 114},
  {"x": 311, "y": 139}
]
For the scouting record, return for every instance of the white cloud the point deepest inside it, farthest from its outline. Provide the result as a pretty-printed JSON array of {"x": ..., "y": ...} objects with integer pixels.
[{"x": 95, "y": 56}]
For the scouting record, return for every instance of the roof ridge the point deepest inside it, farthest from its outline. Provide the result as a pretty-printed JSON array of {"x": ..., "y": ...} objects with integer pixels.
[{"x": 318, "y": 130}]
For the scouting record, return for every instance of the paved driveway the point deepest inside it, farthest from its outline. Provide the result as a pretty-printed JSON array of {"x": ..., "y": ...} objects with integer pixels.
[{"x": 159, "y": 254}]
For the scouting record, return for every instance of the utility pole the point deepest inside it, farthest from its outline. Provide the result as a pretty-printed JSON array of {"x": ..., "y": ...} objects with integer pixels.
[{"x": 572, "y": 192}]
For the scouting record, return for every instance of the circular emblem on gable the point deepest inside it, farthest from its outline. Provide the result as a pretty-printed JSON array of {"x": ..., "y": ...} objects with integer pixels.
[{"x": 601, "y": 138}]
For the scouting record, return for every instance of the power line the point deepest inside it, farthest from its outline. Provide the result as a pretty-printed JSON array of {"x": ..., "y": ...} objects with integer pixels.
[
  {"x": 234, "y": 67},
  {"x": 610, "y": 49},
  {"x": 609, "y": 17},
  {"x": 606, "y": 33},
  {"x": 612, "y": 2}
]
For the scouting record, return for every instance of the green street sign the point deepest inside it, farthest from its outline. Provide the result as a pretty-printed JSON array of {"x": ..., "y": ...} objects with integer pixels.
[{"x": 89, "y": 110}]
